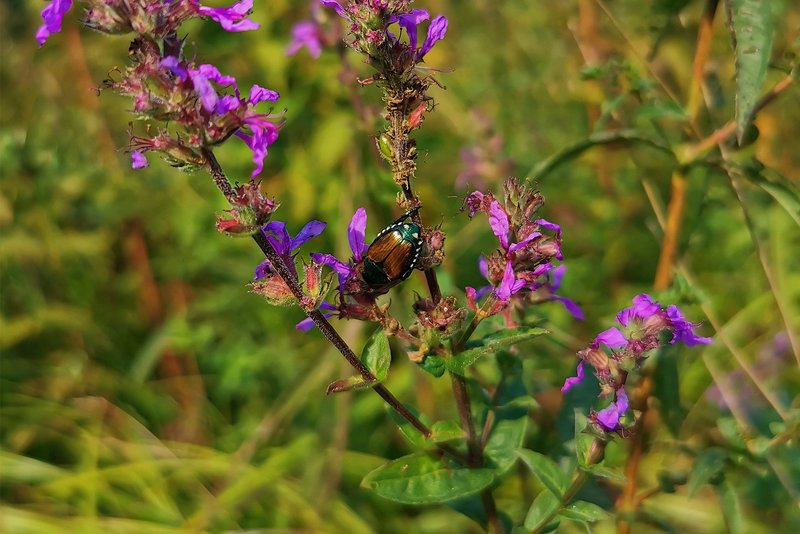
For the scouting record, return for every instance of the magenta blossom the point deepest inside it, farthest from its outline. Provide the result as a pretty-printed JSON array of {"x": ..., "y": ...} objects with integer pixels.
[
  {"x": 613, "y": 354},
  {"x": 284, "y": 244},
  {"x": 355, "y": 237},
  {"x": 153, "y": 17},
  {"x": 609, "y": 417},
  {"x": 411, "y": 21},
  {"x": 306, "y": 34},
  {"x": 138, "y": 161}
]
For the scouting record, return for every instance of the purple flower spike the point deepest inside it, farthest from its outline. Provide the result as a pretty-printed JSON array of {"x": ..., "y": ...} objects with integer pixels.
[
  {"x": 684, "y": 329},
  {"x": 138, "y": 161},
  {"x": 573, "y": 380},
  {"x": 305, "y": 34},
  {"x": 233, "y": 18},
  {"x": 436, "y": 32},
  {"x": 609, "y": 417},
  {"x": 52, "y": 15}
]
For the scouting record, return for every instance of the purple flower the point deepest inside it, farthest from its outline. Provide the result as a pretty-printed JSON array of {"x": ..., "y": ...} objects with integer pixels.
[
  {"x": 336, "y": 7},
  {"x": 305, "y": 34},
  {"x": 409, "y": 22},
  {"x": 233, "y": 18},
  {"x": 284, "y": 244},
  {"x": 138, "y": 161},
  {"x": 52, "y": 15},
  {"x": 307, "y": 324},
  {"x": 355, "y": 237},
  {"x": 509, "y": 284},
  {"x": 571, "y": 381},
  {"x": 436, "y": 32},
  {"x": 643, "y": 308},
  {"x": 683, "y": 329},
  {"x": 608, "y": 418}
]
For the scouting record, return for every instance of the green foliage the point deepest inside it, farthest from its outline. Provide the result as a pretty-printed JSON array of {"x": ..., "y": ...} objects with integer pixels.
[
  {"x": 750, "y": 24},
  {"x": 143, "y": 389},
  {"x": 376, "y": 357}
]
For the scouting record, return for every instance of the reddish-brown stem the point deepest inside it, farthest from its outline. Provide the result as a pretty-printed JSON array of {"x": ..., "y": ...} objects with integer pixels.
[{"x": 319, "y": 320}]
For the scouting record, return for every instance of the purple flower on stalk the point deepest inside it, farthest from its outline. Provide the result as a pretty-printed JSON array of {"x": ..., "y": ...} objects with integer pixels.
[
  {"x": 336, "y": 6},
  {"x": 284, "y": 244},
  {"x": 305, "y": 34},
  {"x": 609, "y": 417},
  {"x": 411, "y": 21},
  {"x": 138, "y": 161},
  {"x": 233, "y": 18},
  {"x": 232, "y": 112},
  {"x": 355, "y": 237},
  {"x": 53, "y": 15}
]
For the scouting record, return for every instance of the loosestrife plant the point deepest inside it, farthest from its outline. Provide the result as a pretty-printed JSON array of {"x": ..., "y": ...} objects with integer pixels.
[{"x": 190, "y": 108}]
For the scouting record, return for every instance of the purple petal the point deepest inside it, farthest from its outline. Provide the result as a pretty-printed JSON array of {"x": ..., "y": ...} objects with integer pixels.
[
  {"x": 305, "y": 34},
  {"x": 227, "y": 104},
  {"x": 571, "y": 381},
  {"x": 260, "y": 94},
  {"x": 410, "y": 21},
  {"x": 683, "y": 329},
  {"x": 509, "y": 285},
  {"x": 571, "y": 307},
  {"x": 308, "y": 323},
  {"x": 524, "y": 243},
  {"x": 264, "y": 268},
  {"x": 553, "y": 227},
  {"x": 312, "y": 229},
  {"x": 482, "y": 291},
  {"x": 611, "y": 338},
  {"x": 207, "y": 93},
  {"x": 264, "y": 135},
  {"x": 643, "y": 308},
  {"x": 474, "y": 201},
  {"x": 138, "y": 161},
  {"x": 498, "y": 220},
  {"x": 341, "y": 268},
  {"x": 278, "y": 236},
  {"x": 609, "y": 416},
  {"x": 233, "y": 18},
  {"x": 436, "y": 32},
  {"x": 173, "y": 64},
  {"x": 556, "y": 275},
  {"x": 52, "y": 15},
  {"x": 336, "y": 7},
  {"x": 483, "y": 267},
  {"x": 210, "y": 72},
  {"x": 355, "y": 233}
]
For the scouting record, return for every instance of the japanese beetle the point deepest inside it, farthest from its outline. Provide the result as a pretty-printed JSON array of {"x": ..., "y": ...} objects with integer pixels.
[{"x": 392, "y": 255}]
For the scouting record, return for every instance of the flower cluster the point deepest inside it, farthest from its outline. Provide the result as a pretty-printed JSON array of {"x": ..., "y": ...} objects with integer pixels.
[
  {"x": 613, "y": 353},
  {"x": 269, "y": 284},
  {"x": 522, "y": 269},
  {"x": 154, "y": 18},
  {"x": 250, "y": 210}
]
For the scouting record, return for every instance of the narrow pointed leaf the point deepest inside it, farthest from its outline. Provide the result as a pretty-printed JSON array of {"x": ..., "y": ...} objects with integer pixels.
[
  {"x": 544, "y": 506},
  {"x": 490, "y": 345},
  {"x": 750, "y": 24},
  {"x": 584, "y": 512},
  {"x": 546, "y": 470}
]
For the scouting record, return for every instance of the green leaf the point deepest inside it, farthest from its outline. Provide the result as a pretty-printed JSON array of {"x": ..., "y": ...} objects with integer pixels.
[
  {"x": 407, "y": 429},
  {"x": 542, "y": 511},
  {"x": 613, "y": 474},
  {"x": 489, "y": 345},
  {"x": 376, "y": 356},
  {"x": 750, "y": 24},
  {"x": 667, "y": 389},
  {"x": 731, "y": 509},
  {"x": 507, "y": 435},
  {"x": 781, "y": 189},
  {"x": 584, "y": 512},
  {"x": 422, "y": 479},
  {"x": 447, "y": 430},
  {"x": 546, "y": 470},
  {"x": 433, "y": 365},
  {"x": 708, "y": 465}
]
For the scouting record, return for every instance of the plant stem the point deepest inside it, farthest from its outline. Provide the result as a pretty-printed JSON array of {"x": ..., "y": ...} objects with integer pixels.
[
  {"x": 322, "y": 323},
  {"x": 595, "y": 455}
]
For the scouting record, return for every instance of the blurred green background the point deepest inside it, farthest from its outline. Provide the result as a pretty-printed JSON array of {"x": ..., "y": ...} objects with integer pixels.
[{"x": 144, "y": 389}]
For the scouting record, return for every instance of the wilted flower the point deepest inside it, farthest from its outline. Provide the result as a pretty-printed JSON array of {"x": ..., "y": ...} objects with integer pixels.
[{"x": 250, "y": 210}]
